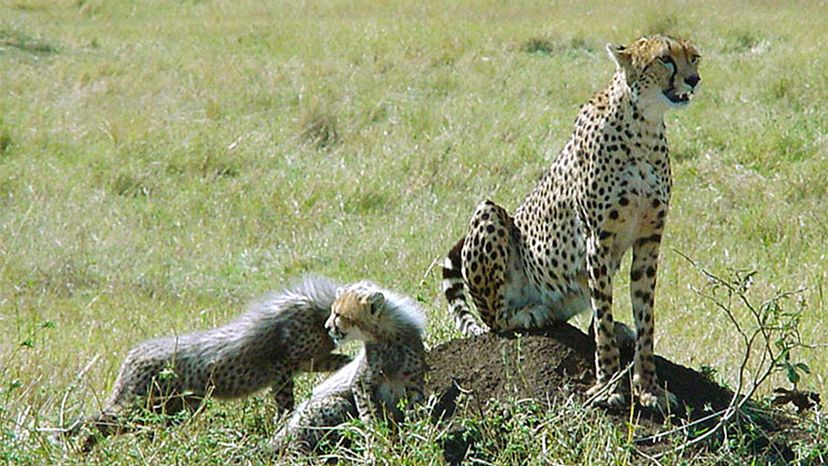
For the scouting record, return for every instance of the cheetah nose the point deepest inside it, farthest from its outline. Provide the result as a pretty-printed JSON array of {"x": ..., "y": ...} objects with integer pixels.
[{"x": 692, "y": 80}]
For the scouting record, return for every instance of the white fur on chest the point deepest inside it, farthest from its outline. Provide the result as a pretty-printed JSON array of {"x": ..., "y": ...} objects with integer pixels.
[{"x": 638, "y": 218}]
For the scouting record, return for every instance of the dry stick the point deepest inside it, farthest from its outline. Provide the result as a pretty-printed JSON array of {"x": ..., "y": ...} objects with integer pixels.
[
  {"x": 683, "y": 427},
  {"x": 434, "y": 263},
  {"x": 78, "y": 377},
  {"x": 733, "y": 408},
  {"x": 609, "y": 385},
  {"x": 648, "y": 457}
]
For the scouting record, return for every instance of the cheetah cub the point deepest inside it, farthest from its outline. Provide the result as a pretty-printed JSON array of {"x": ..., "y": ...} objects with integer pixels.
[
  {"x": 266, "y": 346},
  {"x": 390, "y": 367}
]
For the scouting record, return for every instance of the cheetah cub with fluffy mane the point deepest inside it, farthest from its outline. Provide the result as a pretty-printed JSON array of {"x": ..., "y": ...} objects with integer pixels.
[
  {"x": 390, "y": 367},
  {"x": 266, "y": 346}
]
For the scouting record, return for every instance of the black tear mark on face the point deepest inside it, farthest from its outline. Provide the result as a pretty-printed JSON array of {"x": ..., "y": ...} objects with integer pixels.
[{"x": 668, "y": 61}]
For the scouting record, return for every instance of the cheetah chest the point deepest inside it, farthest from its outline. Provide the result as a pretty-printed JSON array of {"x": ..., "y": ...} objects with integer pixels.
[{"x": 642, "y": 196}]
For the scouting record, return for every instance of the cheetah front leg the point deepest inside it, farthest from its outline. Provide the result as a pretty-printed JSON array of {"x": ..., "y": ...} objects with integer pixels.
[
  {"x": 607, "y": 360},
  {"x": 642, "y": 290},
  {"x": 282, "y": 390},
  {"x": 414, "y": 389},
  {"x": 330, "y": 363},
  {"x": 368, "y": 408}
]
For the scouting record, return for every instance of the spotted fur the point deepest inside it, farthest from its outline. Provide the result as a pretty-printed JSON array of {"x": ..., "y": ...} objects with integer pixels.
[
  {"x": 390, "y": 368},
  {"x": 608, "y": 191},
  {"x": 266, "y": 346}
]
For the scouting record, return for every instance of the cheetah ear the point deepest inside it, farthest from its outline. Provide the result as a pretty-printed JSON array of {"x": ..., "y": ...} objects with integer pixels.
[
  {"x": 621, "y": 56},
  {"x": 339, "y": 291},
  {"x": 376, "y": 300}
]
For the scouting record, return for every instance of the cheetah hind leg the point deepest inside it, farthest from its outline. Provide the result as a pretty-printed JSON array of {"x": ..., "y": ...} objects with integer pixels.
[
  {"x": 489, "y": 254},
  {"x": 532, "y": 316},
  {"x": 117, "y": 420}
]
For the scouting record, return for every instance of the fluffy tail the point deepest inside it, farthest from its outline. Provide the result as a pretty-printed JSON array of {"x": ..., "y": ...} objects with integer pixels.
[
  {"x": 459, "y": 310},
  {"x": 319, "y": 290}
]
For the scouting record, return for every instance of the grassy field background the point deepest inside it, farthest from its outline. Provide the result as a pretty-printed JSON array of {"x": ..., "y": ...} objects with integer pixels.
[{"x": 164, "y": 162}]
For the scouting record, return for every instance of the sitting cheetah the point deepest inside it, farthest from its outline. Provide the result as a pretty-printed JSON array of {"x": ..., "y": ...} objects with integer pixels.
[
  {"x": 267, "y": 345},
  {"x": 390, "y": 367},
  {"x": 606, "y": 192}
]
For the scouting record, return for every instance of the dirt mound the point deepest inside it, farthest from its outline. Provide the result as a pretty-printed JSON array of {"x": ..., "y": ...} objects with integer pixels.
[
  {"x": 542, "y": 364},
  {"x": 551, "y": 364}
]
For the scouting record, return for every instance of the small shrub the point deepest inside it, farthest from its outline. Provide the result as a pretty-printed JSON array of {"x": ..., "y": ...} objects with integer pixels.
[
  {"x": 125, "y": 184},
  {"x": 742, "y": 41},
  {"x": 25, "y": 42},
  {"x": 5, "y": 141},
  {"x": 545, "y": 45},
  {"x": 542, "y": 45},
  {"x": 319, "y": 127}
]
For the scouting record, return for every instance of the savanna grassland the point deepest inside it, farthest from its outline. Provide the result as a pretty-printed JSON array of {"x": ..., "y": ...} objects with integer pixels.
[{"x": 162, "y": 163}]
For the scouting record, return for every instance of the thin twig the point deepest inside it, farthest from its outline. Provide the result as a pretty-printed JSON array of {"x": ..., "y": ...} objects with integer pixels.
[
  {"x": 648, "y": 457},
  {"x": 768, "y": 327},
  {"x": 78, "y": 377},
  {"x": 609, "y": 385},
  {"x": 682, "y": 427}
]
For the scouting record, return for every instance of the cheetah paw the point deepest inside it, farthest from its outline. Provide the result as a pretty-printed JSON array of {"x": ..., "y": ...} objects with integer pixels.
[
  {"x": 659, "y": 400},
  {"x": 604, "y": 395},
  {"x": 478, "y": 328}
]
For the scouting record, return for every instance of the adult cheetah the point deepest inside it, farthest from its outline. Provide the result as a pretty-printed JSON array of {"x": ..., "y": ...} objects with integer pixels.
[
  {"x": 266, "y": 346},
  {"x": 606, "y": 192}
]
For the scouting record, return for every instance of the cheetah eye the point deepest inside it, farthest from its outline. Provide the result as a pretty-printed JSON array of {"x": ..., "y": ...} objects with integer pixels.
[
  {"x": 668, "y": 62},
  {"x": 694, "y": 59}
]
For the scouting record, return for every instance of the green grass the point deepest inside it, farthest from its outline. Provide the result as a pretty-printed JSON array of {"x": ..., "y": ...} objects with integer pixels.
[{"x": 162, "y": 163}]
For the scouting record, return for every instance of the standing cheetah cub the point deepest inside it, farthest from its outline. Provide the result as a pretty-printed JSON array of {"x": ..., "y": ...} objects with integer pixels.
[
  {"x": 266, "y": 346},
  {"x": 390, "y": 367}
]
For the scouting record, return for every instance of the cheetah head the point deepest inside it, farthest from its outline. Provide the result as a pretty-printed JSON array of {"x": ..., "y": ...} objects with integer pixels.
[
  {"x": 355, "y": 314},
  {"x": 661, "y": 71}
]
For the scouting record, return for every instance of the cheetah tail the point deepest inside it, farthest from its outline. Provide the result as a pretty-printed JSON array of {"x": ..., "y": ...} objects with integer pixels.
[{"x": 453, "y": 290}]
